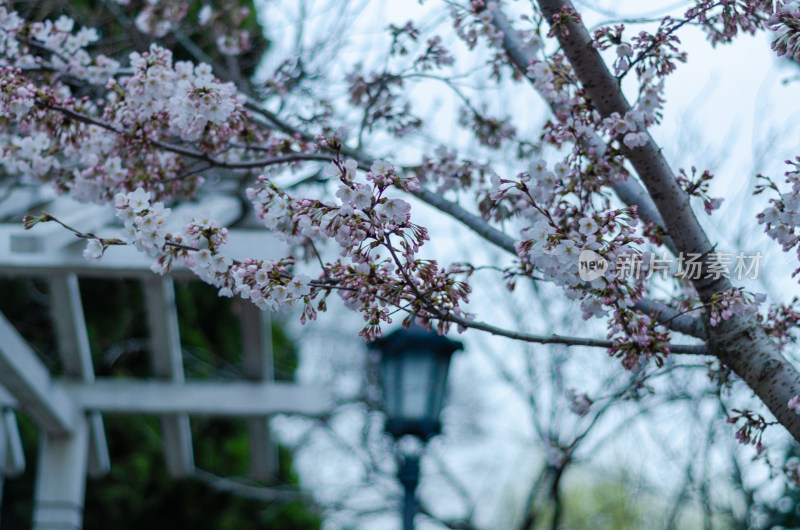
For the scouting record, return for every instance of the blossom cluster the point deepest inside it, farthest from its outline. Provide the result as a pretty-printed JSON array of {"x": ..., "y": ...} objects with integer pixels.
[
  {"x": 785, "y": 22},
  {"x": 378, "y": 267},
  {"x": 722, "y": 21},
  {"x": 93, "y": 147},
  {"x": 67, "y": 48},
  {"x": 656, "y": 52},
  {"x": 29, "y": 156},
  {"x": 553, "y": 239},
  {"x": 443, "y": 171},
  {"x": 791, "y": 470},
  {"x": 636, "y": 339},
  {"x": 435, "y": 55},
  {"x": 579, "y": 404},
  {"x": 628, "y": 127},
  {"x": 490, "y": 132},
  {"x": 734, "y": 301},
  {"x": 782, "y": 217},
  {"x": 751, "y": 430},
  {"x": 552, "y": 87},
  {"x": 470, "y": 23},
  {"x": 199, "y": 246},
  {"x": 561, "y": 20},
  {"x": 698, "y": 186},
  {"x": 378, "y": 95},
  {"x": 10, "y": 25},
  {"x": 781, "y": 321},
  {"x": 159, "y": 17},
  {"x": 16, "y": 93},
  {"x": 186, "y": 98},
  {"x": 145, "y": 223},
  {"x": 226, "y": 24},
  {"x": 71, "y": 56},
  {"x": 650, "y": 100}
]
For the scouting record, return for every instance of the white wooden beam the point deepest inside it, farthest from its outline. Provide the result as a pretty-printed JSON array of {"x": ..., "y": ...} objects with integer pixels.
[
  {"x": 21, "y": 198},
  {"x": 61, "y": 479},
  {"x": 257, "y": 365},
  {"x": 28, "y": 380},
  {"x": 201, "y": 398},
  {"x": 224, "y": 209},
  {"x": 50, "y": 236},
  {"x": 121, "y": 261},
  {"x": 76, "y": 357},
  {"x": 7, "y": 399},
  {"x": 167, "y": 364}
]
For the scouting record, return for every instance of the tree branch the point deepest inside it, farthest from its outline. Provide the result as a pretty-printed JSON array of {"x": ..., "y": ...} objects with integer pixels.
[
  {"x": 740, "y": 342},
  {"x": 688, "y": 349},
  {"x": 672, "y": 318},
  {"x": 252, "y": 491},
  {"x": 191, "y": 153},
  {"x": 629, "y": 191},
  {"x": 685, "y": 324}
]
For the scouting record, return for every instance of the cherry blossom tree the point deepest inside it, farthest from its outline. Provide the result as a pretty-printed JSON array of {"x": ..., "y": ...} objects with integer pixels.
[{"x": 591, "y": 205}]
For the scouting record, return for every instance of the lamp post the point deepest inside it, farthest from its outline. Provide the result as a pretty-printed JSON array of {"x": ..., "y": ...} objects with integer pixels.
[{"x": 413, "y": 375}]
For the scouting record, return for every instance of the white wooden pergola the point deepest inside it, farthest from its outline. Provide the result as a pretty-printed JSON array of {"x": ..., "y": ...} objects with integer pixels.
[{"x": 68, "y": 409}]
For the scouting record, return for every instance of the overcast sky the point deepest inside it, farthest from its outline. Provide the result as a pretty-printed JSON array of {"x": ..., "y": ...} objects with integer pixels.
[{"x": 727, "y": 110}]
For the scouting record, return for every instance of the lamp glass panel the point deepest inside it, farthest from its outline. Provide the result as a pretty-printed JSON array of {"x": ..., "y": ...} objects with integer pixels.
[
  {"x": 417, "y": 380},
  {"x": 391, "y": 382},
  {"x": 437, "y": 390}
]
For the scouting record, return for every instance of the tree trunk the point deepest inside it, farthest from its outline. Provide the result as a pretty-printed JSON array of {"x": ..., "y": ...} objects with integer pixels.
[{"x": 740, "y": 342}]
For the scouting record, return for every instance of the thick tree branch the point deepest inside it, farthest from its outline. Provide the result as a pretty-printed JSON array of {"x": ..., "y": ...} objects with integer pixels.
[
  {"x": 672, "y": 318},
  {"x": 629, "y": 191},
  {"x": 740, "y": 342}
]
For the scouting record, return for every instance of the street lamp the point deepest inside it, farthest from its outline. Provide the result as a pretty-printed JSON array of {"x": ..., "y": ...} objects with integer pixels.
[{"x": 413, "y": 375}]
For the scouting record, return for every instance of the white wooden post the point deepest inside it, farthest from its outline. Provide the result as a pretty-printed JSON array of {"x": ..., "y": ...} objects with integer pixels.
[
  {"x": 14, "y": 460},
  {"x": 26, "y": 378},
  {"x": 76, "y": 357},
  {"x": 257, "y": 364},
  {"x": 167, "y": 363},
  {"x": 61, "y": 479},
  {"x": 3, "y": 456}
]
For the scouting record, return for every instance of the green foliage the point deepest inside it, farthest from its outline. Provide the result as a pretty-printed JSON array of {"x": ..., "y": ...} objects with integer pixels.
[
  {"x": 138, "y": 493},
  {"x": 121, "y": 37},
  {"x": 211, "y": 332},
  {"x": 618, "y": 501},
  {"x": 606, "y": 504}
]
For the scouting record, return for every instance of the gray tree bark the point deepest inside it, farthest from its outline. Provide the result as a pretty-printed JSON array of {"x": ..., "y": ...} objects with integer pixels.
[{"x": 740, "y": 342}]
